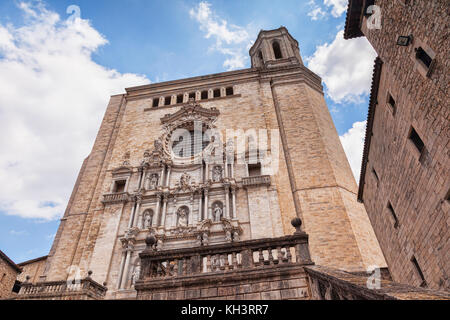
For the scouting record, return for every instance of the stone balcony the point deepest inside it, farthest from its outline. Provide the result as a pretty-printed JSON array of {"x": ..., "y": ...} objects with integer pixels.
[
  {"x": 116, "y": 198},
  {"x": 85, "y": 289},
  {"x": 256, "y": 181},
  {"x": 253, "y": 269}
]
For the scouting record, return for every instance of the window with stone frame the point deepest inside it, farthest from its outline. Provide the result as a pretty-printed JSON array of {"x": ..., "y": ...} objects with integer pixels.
[
  {"x": 119, "y": 186},
  {"x": 180, "y": 98},
  {"x": 277, "y": 50},
  {"x": 155, "y": 102},
  {"x": 416, "y": 140},
  {"x": 254, "y": 170}
]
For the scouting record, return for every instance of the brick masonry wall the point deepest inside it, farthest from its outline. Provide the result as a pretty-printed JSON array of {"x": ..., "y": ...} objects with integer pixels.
[
  {"x": 8, "y": 276},
  {"x": 33, "y": 270},
  {"x": 416, "y": 189}
]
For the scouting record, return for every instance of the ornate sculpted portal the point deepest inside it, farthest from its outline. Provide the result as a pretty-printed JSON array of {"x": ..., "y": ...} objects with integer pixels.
[{"x": 183, "y": 199}]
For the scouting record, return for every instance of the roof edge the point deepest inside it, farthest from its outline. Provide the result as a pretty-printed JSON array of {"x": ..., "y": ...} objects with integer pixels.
[
  {"x": 10, "y": 262},
  {"x": 353, "y": 19},
  {"x": 32, "y": 261},
  {"x": 370, "y": 118}
]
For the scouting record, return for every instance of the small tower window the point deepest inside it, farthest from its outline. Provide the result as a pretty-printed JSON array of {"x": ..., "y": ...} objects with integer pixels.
[
  {"x": 391, "y": 103},
  {"x": 419, "y": 271},
  {"x": 391, "y": 210},
  {"x": 167, "y": 101},
  {"x": 204, "y": 95},
  {"x": 179, "y": 98},
  {"x": 192, "y": 95},
  {"x": 217, "y": 93},
  {"x": 415, "y": 138},
  {"x": 260, "y": 56},
  {"x": 422, "y": 56},
  {"x": 155, "y": 102},
  {"x": 229, "y": 91},
  {"x": 277, "y": 50}
]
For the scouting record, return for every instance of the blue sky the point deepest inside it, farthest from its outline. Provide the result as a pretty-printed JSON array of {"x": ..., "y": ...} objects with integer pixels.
[{"x": 56, "y": 74}]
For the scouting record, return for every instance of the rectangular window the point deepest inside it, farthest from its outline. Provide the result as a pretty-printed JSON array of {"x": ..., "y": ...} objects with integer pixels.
[
  {"x": 391, "y": 210},
  {"x": 254, "y": 170},
  {"x": 419, "y": 271},
  {"x": 167, "y": 101},
  {"x": 179, "y": 98},
  {"x": 204, "y": 95},
  {"x": 230, "y": 91},
  {"x": 155, "y": 102},
  {"x": 119, "y": 186},
  {"x": 415, "y": 138},
  {"x": 217, "y": 93},
  {"x": 391, "y": 103},
  {"x": 422, "y": 56},
  {"x": 192, "y": 95}
]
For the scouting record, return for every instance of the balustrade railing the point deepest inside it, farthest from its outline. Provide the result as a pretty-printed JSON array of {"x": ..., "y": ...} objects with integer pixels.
[
  {"x": 257, "y": 180},
  {"x": 252, "y": 254},
  {"x": 55, "y": 288},
  {"x": 116, "y": 197}
]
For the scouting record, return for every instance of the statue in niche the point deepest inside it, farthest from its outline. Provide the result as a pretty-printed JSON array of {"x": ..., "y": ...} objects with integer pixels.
[
  {"x": 228, "y": 236},
  {"x": 217, "y": 174},
  {"x": 158, "y": 145},
  {"x": 136, "y": 273},
  {"x": 218, "y": 212},
  {"x": 159, "y": 245},
  {"x": 146, "y": 158},
  {"x": 148, "y": 219},
  {"x": 236, "y": 237},
  {"x": 185, "y": 180},
  {"x": 154, "y": 178},
  {"x": 182, "y": 217},
  {"x": 205, "y": 240}
]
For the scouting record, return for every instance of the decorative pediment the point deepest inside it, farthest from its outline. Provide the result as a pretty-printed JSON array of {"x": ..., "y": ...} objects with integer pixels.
[
  {"x": 123, "y": 170},
  {"x": 192, "y": 111}
]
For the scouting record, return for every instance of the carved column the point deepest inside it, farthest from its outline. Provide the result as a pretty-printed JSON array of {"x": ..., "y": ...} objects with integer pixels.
[
  {"x": 140, "y": 170},
  {"x": 161, "y": 179},
  {"x": 122, "y": 265},
  {"x": 168, "y": 176},
  {"x": 158, "y": 205},
  {"x": 207, "y": 172},
  {"x": 200, "y": 207},
  {"x": 133, "y": 212},
  {"x": 163, "y": 217},
  {"x": 233, "y": 199},
  {"x": 129, "y": 249},
  {"x": 206, "y": 208},
  {"x": 137, "y": 212},
  {"x": 226, "y": 169},
  {"x": 227, "y": 201}
]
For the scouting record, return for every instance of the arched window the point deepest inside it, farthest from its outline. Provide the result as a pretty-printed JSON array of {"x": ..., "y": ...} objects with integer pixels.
[
  {"x": 260, "y": 56},
  {"x": 277, "y": 50}
]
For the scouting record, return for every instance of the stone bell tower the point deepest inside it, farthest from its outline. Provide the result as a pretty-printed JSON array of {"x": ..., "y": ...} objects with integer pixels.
[{"x": 275, "y": 48}]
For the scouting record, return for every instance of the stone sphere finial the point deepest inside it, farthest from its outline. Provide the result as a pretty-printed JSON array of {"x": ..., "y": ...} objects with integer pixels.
[
  {"x": 150, "y": 241},
  {"x": 296, "y": 223},
  {"x": 27, "y": 278},
  {"x": 90, "y": 273}
]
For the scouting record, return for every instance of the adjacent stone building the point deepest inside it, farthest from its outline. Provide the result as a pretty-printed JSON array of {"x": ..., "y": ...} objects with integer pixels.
[
  {"x": 165, "y": 164},
  {"x": 8, "y": 275},
  {"x": 405, "y": 183}
]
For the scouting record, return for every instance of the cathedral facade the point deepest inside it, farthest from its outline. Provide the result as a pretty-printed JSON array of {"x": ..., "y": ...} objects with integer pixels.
[{"x": 211, "y": 160}]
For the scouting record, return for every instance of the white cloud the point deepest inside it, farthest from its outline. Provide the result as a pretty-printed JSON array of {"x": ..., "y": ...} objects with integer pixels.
[
  {"x": 52, "y": 100},
  {"x": 18, "y": 233},
  {"x": 353, "y": 143},
  {"x": 316, "y": 12},
  {"x": 338, "y": 7},
  {"x": 231, "y": 40},
  {"x": 345, "y": 66}
]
